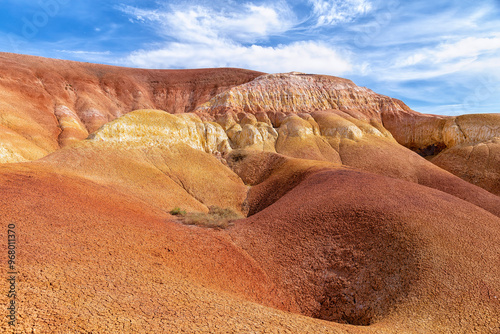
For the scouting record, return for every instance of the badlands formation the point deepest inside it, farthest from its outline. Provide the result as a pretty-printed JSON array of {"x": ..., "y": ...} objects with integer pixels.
[{"x": 357, "y": 214}]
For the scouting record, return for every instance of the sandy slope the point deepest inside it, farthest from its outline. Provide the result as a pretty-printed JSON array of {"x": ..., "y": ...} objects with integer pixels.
[{"x": 403, "y": 257}]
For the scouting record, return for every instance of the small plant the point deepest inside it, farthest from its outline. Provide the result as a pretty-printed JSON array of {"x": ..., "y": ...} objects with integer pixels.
[
  {"x": 177, "y": 211},
  {"x": 215, "y": 218},
  {"x": 238, "y": 157}
]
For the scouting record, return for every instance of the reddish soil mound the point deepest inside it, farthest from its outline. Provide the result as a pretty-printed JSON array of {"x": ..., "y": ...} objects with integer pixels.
[
  {"x": 377, "y": 156},
  {"x": 94, "y": 259},
  {"x": 164, "y": 178},
  {"x": 360, "y": 248},
  {"x": 384, "y": 157}
]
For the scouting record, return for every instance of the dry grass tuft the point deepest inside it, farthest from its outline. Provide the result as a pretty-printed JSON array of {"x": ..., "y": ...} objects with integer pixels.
[{"x": 217, "y": 217}]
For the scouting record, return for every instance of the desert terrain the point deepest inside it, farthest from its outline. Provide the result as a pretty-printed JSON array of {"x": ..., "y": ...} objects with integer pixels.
[{"x": 233, "y": 201}]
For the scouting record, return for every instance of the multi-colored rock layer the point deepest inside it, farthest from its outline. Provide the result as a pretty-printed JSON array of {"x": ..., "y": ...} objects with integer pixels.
[
  {"x": 297, "y": 114},
  {"x": 353, "y": 223},
  {"x": 53, "y": 103}
]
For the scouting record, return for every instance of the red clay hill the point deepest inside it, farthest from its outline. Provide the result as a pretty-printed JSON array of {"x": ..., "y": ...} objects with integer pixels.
[{"x": 232, "y": 201}]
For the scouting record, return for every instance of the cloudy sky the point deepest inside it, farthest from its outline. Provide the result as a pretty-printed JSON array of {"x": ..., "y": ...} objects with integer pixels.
[{"x": 438, "y": 56}]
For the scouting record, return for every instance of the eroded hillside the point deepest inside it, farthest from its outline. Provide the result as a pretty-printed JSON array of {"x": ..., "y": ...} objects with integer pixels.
[
  {"x": 349, "y": 223},
  {"x": 46, "y": 104}
]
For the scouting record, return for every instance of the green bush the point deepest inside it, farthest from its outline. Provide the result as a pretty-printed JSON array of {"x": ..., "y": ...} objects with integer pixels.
[{"x": 177, "y": 211}]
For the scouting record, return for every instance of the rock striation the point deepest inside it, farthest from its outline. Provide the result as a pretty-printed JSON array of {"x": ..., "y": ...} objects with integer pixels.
[
  {"x": 476, "y": 162},
  {"x": 53, "y": 103},
  {"x": 278, "y": 94},
  {"x": 314, "y": 117},
  {"x": 352, "y": 212},
  {"x": 156, "y": 128}
]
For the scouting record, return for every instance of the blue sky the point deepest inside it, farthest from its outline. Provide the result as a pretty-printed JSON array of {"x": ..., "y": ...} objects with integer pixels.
[{"x": 438, "y": 56}]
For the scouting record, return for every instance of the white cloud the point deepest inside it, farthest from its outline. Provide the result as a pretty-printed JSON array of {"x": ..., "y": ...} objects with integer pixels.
[
  {"x": 467, "y": 55},
  {"x": 311, "y": 57},
  {"x": 204, "y": 37},
  {"x": 470, "y": 47},
  {"x": 466, "y": 48},
  {"x": 330, "y": 12},
  {"x": 246, "y": 23}
]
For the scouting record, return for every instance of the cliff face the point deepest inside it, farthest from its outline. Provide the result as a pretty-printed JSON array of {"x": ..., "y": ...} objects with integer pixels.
[
  {"x": 270, "y": 98},
  {"x": 278, "y": 94},
  {"x": 429, "y": 134},
  {"x": 476, "y": 162}
]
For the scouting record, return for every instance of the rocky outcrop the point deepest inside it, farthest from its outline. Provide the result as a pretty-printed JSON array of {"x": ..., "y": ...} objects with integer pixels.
[
  {"x": 466, "y": 145},
  {"x": 278, "y": 94},
  {"x": 156, "y": 128},
  {"x": 429, "y": 134},
  {"x": 274, "y": 96},
  {"x": 297, "y": 114},
  {"x": 72, "y": 127}
]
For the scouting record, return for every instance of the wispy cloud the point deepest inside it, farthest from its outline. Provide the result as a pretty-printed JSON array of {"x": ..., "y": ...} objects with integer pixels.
[
  {"x": 309, "y": 56},
  {"x": 244, "y": 23},
  {"x": 466, "y": 48},
  {"x": 330, "y": 12},
  {"x": 200, "y": 36}
]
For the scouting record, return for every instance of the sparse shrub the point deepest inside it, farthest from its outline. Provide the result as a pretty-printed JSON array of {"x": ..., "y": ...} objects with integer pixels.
[
  {"x": 177, "y": 211},
  {"x": 221, "y": 213},
  {"x": 216, "y": 218},
  {"x": 238, "y": 157}
]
